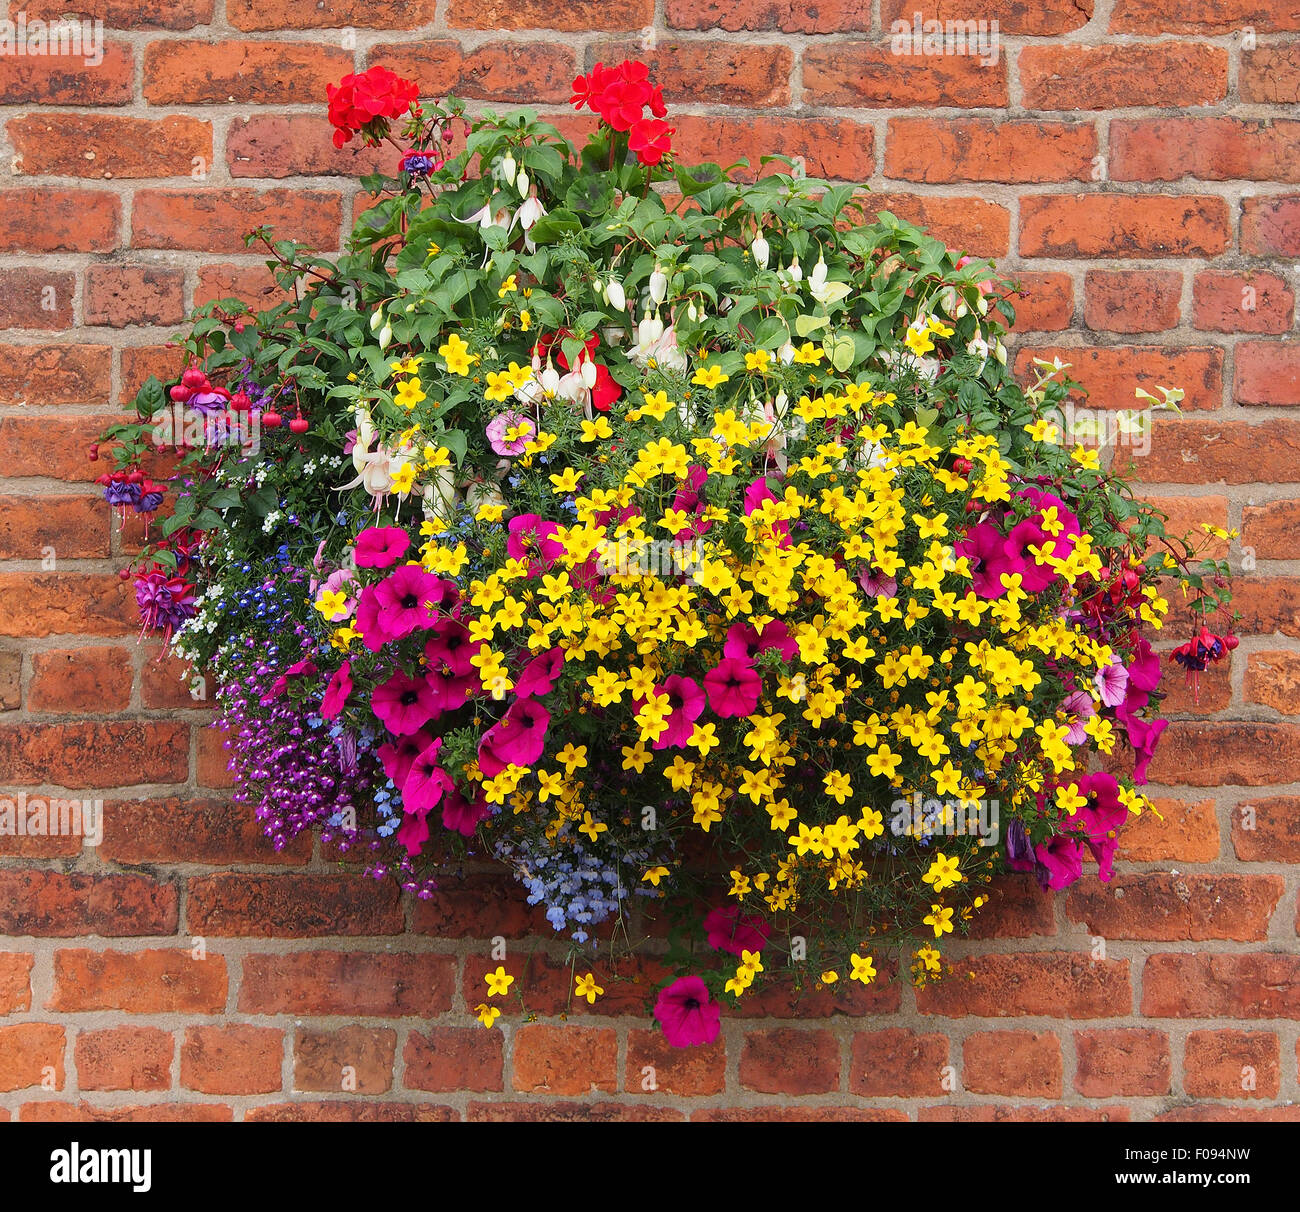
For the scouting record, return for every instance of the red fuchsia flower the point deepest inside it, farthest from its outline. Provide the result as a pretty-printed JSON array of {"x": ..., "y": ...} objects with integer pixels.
[
  {"x": 362, "y": 103},
  {"x": 405, "y": 601},
  {"x": 165, "y": 602},
  {"x": 730, "y": 930},
  {"x": 686, "y": 1014},
  {"x": 1202, "y": 651},
  {"x": 537, "y": 678},
  {"x": 733, "y": 687},
  {"x": 336, "y": 693},
  {"x": 686, "y": 700},
  {"x": 399, "y": 753},
  {"x": 1101, "y": 819},
  {"x": 985, "y": 546},
  {"x": 744, "y": 642},
  {"x": 462, "y": 817},
  {"x": 651, "y": 139},
  {"x": 404, "y": 704},
  {"x": 421, "y": 162},
  {"x": 529, "y": 539},
  {"x": 606, "y": 390},
  {"x": 380, "y": 546},
  {"x": 518, "y": 738}
]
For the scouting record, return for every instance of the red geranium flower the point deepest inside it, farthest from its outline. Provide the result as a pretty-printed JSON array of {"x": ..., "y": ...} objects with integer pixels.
[
  {"x": 362, "y": 103},
  {"x": 651, "y": 139}
]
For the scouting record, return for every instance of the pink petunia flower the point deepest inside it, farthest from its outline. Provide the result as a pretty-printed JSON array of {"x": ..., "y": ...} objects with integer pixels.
[
  {"x": 336, "y": 693},
  {"x": 529, "y": 538},
  {"x": 686, "y": 1014},
  {"x": 510, "y": 433},
  {"x": 404, "y": 704},
  {"x": 730, "y": 930},
  {"x": 407, "y": 600},
  {"x": 686, "y": 700},
  {"x": 518, "y": 738},
  {"x": 733, "y": 687},
  {"x": 380, "y": 546}
]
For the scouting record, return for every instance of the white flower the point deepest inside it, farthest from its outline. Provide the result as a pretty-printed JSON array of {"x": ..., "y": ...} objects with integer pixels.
[
  {"x": 615, "y": 295},
  {"x": 759, "y": 251},
  {"x": 658, "y": 286}
]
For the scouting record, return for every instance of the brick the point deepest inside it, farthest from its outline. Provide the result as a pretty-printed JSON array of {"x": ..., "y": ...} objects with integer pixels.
[
  {"x": 15, "y": 981},
  {"x": 898, "y": 1062},
  {"x": 709, "y": 72},
  {"x": 293, "y": 906},
  {"x": 1012, "y": 16},
  {"x": 478, "y": 906},
  {"x": 450, "y": 1059},
  {"x": 1123, "y": 225},
  {"x": 1189, "y": 833},
  {"x": 1273, "y": 680},
  {"x": 576, "y": 16},
  {"x": 211, "y": 758},
  {"x": 80, "y": 679},
  {"x": 54, "y": 374},
  {"x": 330, "y": 14},
  {"x": 552, "y": 1112},
  {"x": 51, "y": 446},
  {"x": 1124, "y": 1062},
  {"x": 149, "y": 14},
  {"x": 354, "y": 1059},
  {"x": 350, "y": 1112},
  {"x": 945, "y": 151},
  {"x": 768, "y": 1113},
  {"x": 1215, "y": 1113},
  {"x": 109, "y": 146},
  {"x": 28, "y": 1052},
  {"x": 138, "y": 982},
  {"x": 779, "y": 998},
  {"x": 1044, "y": 302},
  {"x": 52, "y": 220},
  {"x": 788, "y": 16},
  {"x": 298, "y": 145},
  {"x": 1024, "y": 1064},
  {"x": 362, "y": 984},
  {"x": 238, "y": 1059},
  {"x": 215, "y": 220},
  {"x": 1063, "y": 984},
  {"x": 1232, "y": 1064},
  {"x": 1247, "y": 754},
  {"x": 42, "y": 604},
  {"x": 1209, "y": 149},
  {"x": 140, "y": 361},
  {"x": 970, "y": 225},
  {"x": 682, "y": 1072},
  {"x": 1169, "y": 74},
  {"x": 1129, "y": 300},
  {"x": 1270, "y": 74},
  {"x": 124, "y": 1058},
  {"x": 1200, "y": 985},
  {"x": 494, "y": 71},
  {"x": 1111, "y": 374},
  {"x": 1270, "y": 227},
  {"x": 122, "y": 295},
  {"x": 1202, "y": 17},
  {"x": 1268, "y": 605},
  {"x": 1274, "y": 833},
  {"x": 36, "y": 298},
  {"x": 834, "y": 149},
  {"x": 63, "y": 80},
  {"x": 1155, "y": 905},
  {"x": 1242, "y": 302},
  {"x": 52, "y": 904},
  {"x": 251, "y": 284},
  {"x": 1017, "y": 908},
  {"x": 1191, "y": 450},
  {"x": 871, "y": 76},
  {"x": 91, "y": 756},
  {"x": 547, "y": 984},
  {"x": 789, "y": 1060},
  {"x": 1184, "y": 516},
  {"x": 74, "y": 527},
  {"x": 153, "y": 1113},
  {"x": 1004, "y": 1114},
  {"x": 188, "y": 72},
  {"x": 11, "y": 675},
  {"x": 1267, "y": 372},
  {"x": 185, "y": 829},
  {"x": 565, "y": 1060}
]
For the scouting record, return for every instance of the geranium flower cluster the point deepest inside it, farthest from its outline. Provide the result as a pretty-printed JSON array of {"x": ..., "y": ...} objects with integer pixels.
[{"x": 704, "y": 565}]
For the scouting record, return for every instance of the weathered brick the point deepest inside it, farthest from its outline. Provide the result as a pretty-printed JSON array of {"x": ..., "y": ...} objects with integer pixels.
[
  {"x": 1111, "y": 374},
  {"x": 897, "y": 1062},
  {"x": 1267, "y": 372},
  {"x": 1154, "y": 905},
  {"x": 870, "y": 75},
  {"x": 684, "y": 1072},
  {"x": 235, "y": 1059},
  {"x": 494, "y": 71},
  {"x": 124, "y": 1058},
  {"x": 215, "y": 220},
  {"x": 110, "y": 146},
  {"x": 358, "y": 1060},
  {"x": 951, "y": 150},
  {"x": 1169, "y": 74},
  {"x": 1063, "y": 984},
  {"x": 1232, "y": 1064},
  {"x": 789, "y": 1060},
  {"x": 565, "y": 1060},
  {"x": 31, "y": 1053},
  {"x": 51, "y": 220},
  {"x": 450, "y": 1059},
  {"x": 1126, "y": 300},
  {"x": 1126, "y": 1061},
  {"x": 1024, "y": 1064},
  {"x": 121, "y": 295},
  {"x": 94, "y": 679},
  {"x": 292, "y": 906},
  {"x": 138, "y": 982},
  {"x": 184, "y": 71},
  {"x": 50, "y": 903},
  {"x": 350, "y": 983},
  {"x": 1205, "y": 985},
  {"x": 89, "y": 756},
  {"x": 1267, "y": 829},
  {"x": 1123, "y": 225}
]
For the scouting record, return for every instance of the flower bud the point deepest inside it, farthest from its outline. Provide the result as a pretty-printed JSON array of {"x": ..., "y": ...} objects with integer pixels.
[
  {"x": 588, "y": 374},
  {"x": 760, "y": 251},
  {"x": 508, "y": 167},
  {"x": 521, "y": 183},
  {"x": 658, "y": 286},
  {"x": 385, "y": 335},
  {"x": 615, "y": 295},
  {"x": 795, "y": 271},
  {"x": 376, "y": 319},
  {"x": 692, "y": 313}
]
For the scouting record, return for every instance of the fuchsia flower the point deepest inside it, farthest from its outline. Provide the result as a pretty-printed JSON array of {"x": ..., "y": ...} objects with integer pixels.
[
  {"x": 686, "y": 1014},
  {"x": 404, "y": 704},
  {"x": 380, "y": 546},
  {"x": 518, "y": 738},
  {"x": 733, "y": 686},
  {"x": 336, "y": 693},
  {"x": 729, "y": 930},
  {"x": 687, "y": 702}
]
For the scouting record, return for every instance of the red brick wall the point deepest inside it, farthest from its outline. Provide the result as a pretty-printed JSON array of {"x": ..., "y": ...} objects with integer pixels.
[{"x": 1136, "y": 168}]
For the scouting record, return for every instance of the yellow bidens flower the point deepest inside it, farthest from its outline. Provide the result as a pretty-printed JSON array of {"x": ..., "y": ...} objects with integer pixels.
[
  {"x": 864, "y": 968},
  {"x": 499, "y": 982},
  {"x": 710, "y": 376},
  {"x": 943, "y": 873},
  {"x": 585, "y": 986},
  {"x": 455, "y": 355},
  {"x": 487, "y": 1015}
]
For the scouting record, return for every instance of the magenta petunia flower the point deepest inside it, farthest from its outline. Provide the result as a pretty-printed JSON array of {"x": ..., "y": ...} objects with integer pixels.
[
  {"x": 1143, "y": 735},
  {"x": 1060, "y": 862},
  {"x": 985, "y": 546},
  {"x": 408, "y": 599},
  {"x": 874, "y": 582},
  {"x": 449, "y": 649},
  {"x": 538, "y": 676},
  {"x": 1035, "y": 577},
  {"x": 755, "y": 495},
  {"x": 518, "y": 738},
  {"x": 730, "y": 930},
  {"x": 733, "y": 686},
  {"x": 397, "y": 754},
  {"x": 381, "y": 546},
  {"x": 1101, "y": 818},
  {"x": 303, "y": 668},
  {"x": 413, "y": 832},
  {"x": 745, "y": 643},
  {"x": 336, "y": 693},
  {"x": 686, "y": 1014},
  {"x": 426, "y": 782},
  {"x": 404, "y": 704},
  {"x": 529, "y": 538},
  {"x": 460, "y": 815},
  {"x": 686, "y": 700}
]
